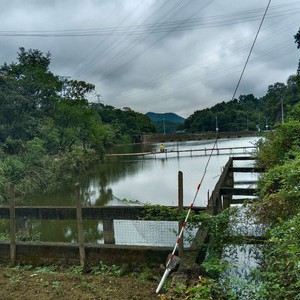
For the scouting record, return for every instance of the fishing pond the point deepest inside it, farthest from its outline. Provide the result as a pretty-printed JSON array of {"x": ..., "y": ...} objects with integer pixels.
[{"x": 138, "y": 180}]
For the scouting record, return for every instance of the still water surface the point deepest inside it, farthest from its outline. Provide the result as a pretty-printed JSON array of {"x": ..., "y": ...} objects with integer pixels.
[{"x": 152, "y": 179}]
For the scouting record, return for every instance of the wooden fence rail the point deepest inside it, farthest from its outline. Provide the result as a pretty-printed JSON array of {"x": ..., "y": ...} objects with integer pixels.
[
  {"x": 88, "y": 213},
  {"x": 56, "y": 251}
]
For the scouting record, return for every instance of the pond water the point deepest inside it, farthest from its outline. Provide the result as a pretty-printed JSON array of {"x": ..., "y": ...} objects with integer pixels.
[{"x": 150, "y": 179}]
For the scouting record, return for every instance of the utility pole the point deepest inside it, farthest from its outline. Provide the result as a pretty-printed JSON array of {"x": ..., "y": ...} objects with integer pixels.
[
  {"x": 282, "y": 113},
  {"x": 98, "y": 98},
  {"x": 267, "y": 126},
  {"x": 164, "y": 126},
  {"x": 258, "y": 125}
]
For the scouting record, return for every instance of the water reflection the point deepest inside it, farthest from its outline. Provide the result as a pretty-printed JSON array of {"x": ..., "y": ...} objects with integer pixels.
[
  {"x": 151, "y": 179},
  {"x": 55, "y": 230}
]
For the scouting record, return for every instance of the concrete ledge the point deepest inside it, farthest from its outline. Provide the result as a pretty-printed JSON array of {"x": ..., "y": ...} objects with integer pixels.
[
  {"x": 37, "y": 253},
  {"x": 162, "y": 138}
]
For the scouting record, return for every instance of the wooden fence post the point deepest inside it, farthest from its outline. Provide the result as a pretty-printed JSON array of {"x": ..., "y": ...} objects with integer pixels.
[
  {"x": 12, "y": 225},
  {"x": 79, "y": 225},
  {"x": 180, "y": 210},
  {"x": 228, "y": 182}
]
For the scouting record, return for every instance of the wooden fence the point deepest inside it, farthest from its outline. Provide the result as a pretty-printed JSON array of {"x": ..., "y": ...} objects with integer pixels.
[{"x": 109, "y": 251}]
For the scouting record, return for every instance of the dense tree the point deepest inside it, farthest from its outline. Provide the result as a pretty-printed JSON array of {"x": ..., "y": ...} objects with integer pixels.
[
  {"x": 125, "y": 122},
  {"x": 235, "y": 115},
  {"x": 28, "y": 91},
  {"x": 36, "y": 103},
  {"x": 248, "y": 112},
  {"x": 297, "y": 38},
  {"x": 297, "y": 41},
  {"x": 48, "y": 129}
]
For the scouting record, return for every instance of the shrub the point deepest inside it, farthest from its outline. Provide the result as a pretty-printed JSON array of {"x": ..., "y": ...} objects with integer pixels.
[
  {"x": 279, "y": 145},
  {"x": 280, "y": 192},
  {"x": 280, "y": 274}
]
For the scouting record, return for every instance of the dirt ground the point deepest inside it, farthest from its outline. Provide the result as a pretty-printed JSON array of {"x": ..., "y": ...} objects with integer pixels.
[{"x": 34, "y": 284}]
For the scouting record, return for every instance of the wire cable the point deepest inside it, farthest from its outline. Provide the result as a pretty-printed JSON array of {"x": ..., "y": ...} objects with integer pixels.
[
  {"x": 253, "y": 44},
  {"x": 169, "y": 262}
]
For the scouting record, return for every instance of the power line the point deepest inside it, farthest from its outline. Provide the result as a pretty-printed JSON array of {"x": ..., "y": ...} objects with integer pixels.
[
  {"x": 107, "y": 37},
  {"x": 151, "y": 45},
  {"x": 108, "y": 50},
  {"x": 244, "y": 68},
  {"x": 138, "y": 40},
  {"x": 135, "y": 56},
  {"x": 196, "y": 68},
  {"x": 185, "y": 24}
]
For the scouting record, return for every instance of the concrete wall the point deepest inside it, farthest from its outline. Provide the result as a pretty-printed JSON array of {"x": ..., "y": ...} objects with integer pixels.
[
  {"x": 161, "y": 138},
  {"x": 37, "y": 253}
]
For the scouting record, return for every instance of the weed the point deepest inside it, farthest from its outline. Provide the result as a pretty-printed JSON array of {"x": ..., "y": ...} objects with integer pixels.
[
  {"x": 47, "y": 270},
  {"x": 43, "y": 282},
  {"x": 4, "y": 236},
  {"x": 57, "y": 287},
  {"x": 146, "y": 274},
  {"x": 7, "y": 274},
  {"x": 25, "y": 267},
  {"x": 179, "y": 288},
  {"x": 104, "y": 269},
  {"x": 15, "y": 279},
  {"x": 86, "y": 284},
  {"x": 75, "y": 270}
]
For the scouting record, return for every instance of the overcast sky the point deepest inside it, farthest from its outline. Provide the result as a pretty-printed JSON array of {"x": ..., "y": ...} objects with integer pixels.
[{"x": 158, "y": 55}]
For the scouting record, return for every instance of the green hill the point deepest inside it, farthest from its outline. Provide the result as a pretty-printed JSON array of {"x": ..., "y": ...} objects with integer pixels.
[
  {"x": 166, "y": 122},
  {"x": 171, "y": 117}
]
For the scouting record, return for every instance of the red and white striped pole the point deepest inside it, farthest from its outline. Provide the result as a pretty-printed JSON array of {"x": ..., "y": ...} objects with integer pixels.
[{"x": 171, "y": 263}]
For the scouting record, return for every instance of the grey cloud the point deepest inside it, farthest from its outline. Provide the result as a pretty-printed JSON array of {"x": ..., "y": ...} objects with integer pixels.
[{"x": 179, "y": 71}]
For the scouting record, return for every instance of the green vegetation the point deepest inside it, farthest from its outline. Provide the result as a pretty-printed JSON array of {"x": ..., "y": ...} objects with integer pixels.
[
  {"x": 236, "y": 115},
  {"x": 248, "y": 112},
  {"x": 48, "y": 129},
  {"x": 279, "y": 209},
  {"x": 278, "y": 206},
  {"x": 166, "y": 122},
  {"x": 124, "y": 122},
  {"x": 28, "y": 282}
]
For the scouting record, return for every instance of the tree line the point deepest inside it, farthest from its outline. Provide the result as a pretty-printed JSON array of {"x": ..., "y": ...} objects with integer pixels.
[
  {"x": 49, "y": 131},
  {"x": 248, "y": 112},
  {"x": 35, "y": 103}
]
